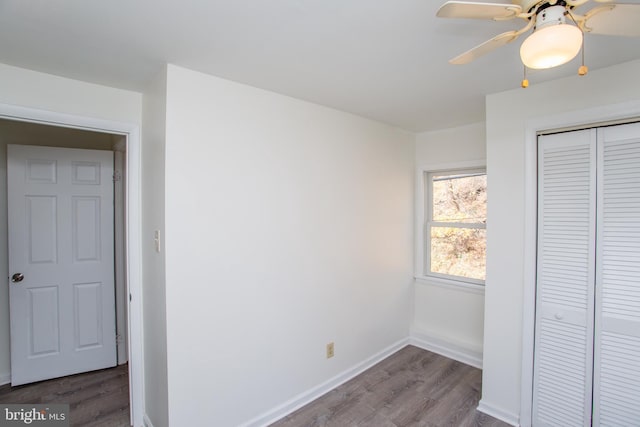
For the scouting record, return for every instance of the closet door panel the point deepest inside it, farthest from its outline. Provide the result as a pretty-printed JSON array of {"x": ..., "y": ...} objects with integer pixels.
[
  {"x": 565, "y": 279},
  {"x": 617, "y": 322}
]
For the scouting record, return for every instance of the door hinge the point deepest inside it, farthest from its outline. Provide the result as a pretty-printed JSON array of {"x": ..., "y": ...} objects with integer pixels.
[
  {"x": 119, "y": 339},
  {"x": 117, "y": 176}
]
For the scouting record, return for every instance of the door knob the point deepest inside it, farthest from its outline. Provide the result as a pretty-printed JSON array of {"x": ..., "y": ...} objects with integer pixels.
[{"x": 17, "y": 277}]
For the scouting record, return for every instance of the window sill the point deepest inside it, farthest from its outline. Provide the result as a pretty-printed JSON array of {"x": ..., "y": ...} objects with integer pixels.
[{"x": 450, "y": 284}]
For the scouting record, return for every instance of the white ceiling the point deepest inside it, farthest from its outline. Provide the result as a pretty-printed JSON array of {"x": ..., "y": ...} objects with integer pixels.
[{"x": 383, "y": 59}]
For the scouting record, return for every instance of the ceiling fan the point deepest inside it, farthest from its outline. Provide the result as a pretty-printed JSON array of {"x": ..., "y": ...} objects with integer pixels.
[{"x": 558, "y": 28}]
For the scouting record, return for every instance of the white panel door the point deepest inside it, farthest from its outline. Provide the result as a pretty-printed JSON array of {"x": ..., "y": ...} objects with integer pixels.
[
  {"x": 61, "y": 261},
  {"x": 565, "y": 279},
  {"x": 616, "y": 395}
]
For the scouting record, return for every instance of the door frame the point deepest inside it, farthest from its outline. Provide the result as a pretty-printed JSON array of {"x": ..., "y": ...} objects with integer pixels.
[
  {"x": 573, "y": 120},
  {"x": 133, "y": 218}
]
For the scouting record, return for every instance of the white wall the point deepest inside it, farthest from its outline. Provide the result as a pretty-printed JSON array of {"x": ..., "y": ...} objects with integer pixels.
[
  {"x": 506, "y": 135},
  {"x": 288, "y": 225},
  {"x": 446, "y": 318},
  {"x": 35, "y": 90},
  {"x": 22, "y": 87},
  {"x": 459, "y": 144},
  {"x": 153, "y": 211}
]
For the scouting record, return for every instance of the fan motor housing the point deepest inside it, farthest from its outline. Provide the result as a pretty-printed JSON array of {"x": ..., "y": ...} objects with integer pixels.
[
  {"x": 551, "y": 15},
  {"x": 528, "y": 5}
]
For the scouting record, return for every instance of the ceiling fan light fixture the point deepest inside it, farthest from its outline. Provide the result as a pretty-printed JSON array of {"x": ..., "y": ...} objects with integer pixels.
[
  {"x": 551, "y": 46},
  {"x": 553, "y": 42}
]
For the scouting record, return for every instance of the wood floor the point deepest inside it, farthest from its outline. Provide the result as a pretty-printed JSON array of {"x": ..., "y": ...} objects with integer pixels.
[
  {"x": 413, "y": 387},
  {"x": 99, "y": 398}
]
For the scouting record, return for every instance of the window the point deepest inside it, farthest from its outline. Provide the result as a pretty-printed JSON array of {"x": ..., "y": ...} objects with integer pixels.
[{"x": 455, "y": 226}]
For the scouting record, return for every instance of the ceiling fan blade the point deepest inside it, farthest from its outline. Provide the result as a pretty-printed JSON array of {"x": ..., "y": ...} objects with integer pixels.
[
  {"x": 473, "y": 10},
  {"x": 484, "y": 48},
  {"x": 614, "y": 20}
]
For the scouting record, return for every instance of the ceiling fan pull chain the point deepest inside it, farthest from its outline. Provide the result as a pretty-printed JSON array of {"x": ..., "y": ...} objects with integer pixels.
[
  {"x": 583, "y": 70},
  {"x": 525, "y": 82}
]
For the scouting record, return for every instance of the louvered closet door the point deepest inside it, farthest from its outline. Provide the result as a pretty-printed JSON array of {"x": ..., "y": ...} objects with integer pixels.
[
  {"x": 565, "y": 279},
  {"x": 617, "y": 341}
]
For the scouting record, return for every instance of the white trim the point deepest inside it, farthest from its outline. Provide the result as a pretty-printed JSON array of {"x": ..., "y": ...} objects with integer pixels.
[
  {"x": 419, "y": 222},
  {"x": 495, "y": 412},
  {"x": 474, "y": 225},
  {"x": 447, "y": 349},
  {"x": 529, "y": 268},
  {"x": 628, "y": 111},
  {"x": 5, "y": 378},
  {"x": 450, "y": 284},
  {"x": 119, "y": 193},
  {"x": 134, "y": 274},
  {"x": 420, "y": 202},
  {"x": 469, "y": 164},
  {"x": 304, "y": 398},
  {"x": 146, "y": 421},
  {"x": 133, "y": 238}
]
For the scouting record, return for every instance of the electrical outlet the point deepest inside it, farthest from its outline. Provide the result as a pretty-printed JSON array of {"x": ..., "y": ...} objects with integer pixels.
[{"x": 330, "y": 350}]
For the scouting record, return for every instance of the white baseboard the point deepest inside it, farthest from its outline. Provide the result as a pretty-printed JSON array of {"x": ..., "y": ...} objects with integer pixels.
[
  {"x": 447, "y": 349},
  {"x": 146, "y": 421},
  {"x": 495, "y": 412},
  {"x": 302, "y": 399},
  {"x": 5, "y": 378}
]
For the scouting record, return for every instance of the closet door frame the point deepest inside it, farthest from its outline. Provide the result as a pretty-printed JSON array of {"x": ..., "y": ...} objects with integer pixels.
[{"x": 609, "y": 114}]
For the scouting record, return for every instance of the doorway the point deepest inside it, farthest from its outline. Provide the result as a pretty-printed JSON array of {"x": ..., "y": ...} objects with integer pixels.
[
  {"x": 34, "y": 127},
  {"x": 587, "y": 306},
  {"x": 604, "y": 115},
  {"x": 61, "y": 260}
]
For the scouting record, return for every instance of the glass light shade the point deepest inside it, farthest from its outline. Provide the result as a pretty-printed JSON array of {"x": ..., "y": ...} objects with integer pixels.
[{"x": 551, "y": 46}]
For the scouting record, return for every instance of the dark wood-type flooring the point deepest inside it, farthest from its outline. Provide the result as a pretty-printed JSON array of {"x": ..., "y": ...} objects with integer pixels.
[
  {"x": 98, "y": 398},
  {"x": 413, "y": 387}
]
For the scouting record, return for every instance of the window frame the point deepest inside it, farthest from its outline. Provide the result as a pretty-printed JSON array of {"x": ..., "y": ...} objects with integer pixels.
[{"x": 424, "y": 223}]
